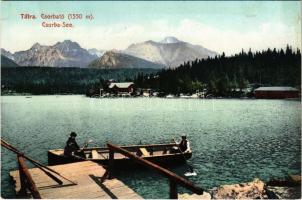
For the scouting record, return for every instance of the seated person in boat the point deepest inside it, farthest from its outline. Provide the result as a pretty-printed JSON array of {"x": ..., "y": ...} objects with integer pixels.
[
  {"x": 184, "y": 144},
  {"x": 72, "y": 146}
]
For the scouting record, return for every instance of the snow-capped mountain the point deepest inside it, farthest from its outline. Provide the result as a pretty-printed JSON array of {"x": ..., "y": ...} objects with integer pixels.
[
  {"x": 170, "y": 40},
  {"x": 170, "y": 52}
]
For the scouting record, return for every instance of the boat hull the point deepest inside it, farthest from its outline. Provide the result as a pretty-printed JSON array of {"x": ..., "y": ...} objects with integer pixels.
[{"x": 163, "y": 159}]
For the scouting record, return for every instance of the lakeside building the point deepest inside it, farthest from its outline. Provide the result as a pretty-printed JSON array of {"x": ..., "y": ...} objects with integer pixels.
[
  {"x": 121, "y": 88},
  {"x": 276, "y": 92}
]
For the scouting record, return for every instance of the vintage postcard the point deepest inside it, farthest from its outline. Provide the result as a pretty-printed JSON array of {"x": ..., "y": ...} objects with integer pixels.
[{"x": 150, "y": 99}]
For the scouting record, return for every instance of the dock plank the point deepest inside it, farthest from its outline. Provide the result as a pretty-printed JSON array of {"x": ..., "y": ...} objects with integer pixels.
[{"x": 87, "y": 174}]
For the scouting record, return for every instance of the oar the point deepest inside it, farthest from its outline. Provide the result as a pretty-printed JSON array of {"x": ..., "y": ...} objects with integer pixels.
[
  {"x": 10, "y": 147},
  {"x": 85, "y": 145},
  {"x": 192, "y": 172}
]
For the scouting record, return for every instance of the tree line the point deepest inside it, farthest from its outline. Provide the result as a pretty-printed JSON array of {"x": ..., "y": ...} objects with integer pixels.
[
  {"x": 229, "y": 76},
  {"x": 51, "y": 80}
]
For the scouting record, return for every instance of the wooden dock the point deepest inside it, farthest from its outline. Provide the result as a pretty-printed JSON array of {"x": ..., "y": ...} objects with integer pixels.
[
  {"x": 86, "y": 174},
  {"x": 87, "y": 179}
]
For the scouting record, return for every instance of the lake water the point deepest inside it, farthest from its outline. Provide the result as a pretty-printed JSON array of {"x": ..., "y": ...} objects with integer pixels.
[{"x": 232, "y": 140}]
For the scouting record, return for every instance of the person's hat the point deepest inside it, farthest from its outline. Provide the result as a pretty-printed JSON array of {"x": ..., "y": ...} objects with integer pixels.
[
  {"x": 73, "y": 134},
  {"x": 184, "y": 136}
]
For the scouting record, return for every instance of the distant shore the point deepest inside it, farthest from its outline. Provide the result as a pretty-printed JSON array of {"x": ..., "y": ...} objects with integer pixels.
[{"x": 132, "y": 97}]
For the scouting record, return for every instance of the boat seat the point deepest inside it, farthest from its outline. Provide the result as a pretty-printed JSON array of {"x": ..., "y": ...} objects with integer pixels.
[
  {"x": 95, "y": 154},
  {"x": 144, "y": 152}
]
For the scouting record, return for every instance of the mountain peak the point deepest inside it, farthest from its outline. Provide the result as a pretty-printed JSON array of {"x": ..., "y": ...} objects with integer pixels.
[
  {"x": 114, "y": 51},
  {"x": 36, "y": 46},
  {"x": 63, "y": 54},
  {"x": 170, "y": 40},
  {"x": 68, "y": 44}
]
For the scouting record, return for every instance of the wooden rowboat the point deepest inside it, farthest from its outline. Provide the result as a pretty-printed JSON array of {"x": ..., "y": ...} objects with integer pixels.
[{"x": 162, "y": 154}]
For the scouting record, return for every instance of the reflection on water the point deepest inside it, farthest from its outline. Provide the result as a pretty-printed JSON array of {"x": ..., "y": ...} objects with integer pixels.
[{"x": 232, "y": 140}]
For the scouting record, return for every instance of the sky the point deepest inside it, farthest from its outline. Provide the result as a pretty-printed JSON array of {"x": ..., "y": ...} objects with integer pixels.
[{"x": 221, "y": 26}]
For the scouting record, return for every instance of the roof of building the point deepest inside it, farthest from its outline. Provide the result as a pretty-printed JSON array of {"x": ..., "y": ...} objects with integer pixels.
[
  {"x": 276, "y": 89},
  {"x": 121, "y": 85}
]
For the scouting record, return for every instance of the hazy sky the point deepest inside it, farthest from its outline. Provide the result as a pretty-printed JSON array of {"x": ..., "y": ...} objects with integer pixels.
[{"x": 217, "y": 25}]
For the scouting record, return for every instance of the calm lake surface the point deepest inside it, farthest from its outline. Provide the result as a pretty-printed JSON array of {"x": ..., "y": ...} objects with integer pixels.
[{"x": 232, "y": 140}]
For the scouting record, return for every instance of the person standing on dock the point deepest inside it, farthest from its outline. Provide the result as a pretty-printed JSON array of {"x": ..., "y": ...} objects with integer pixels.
[{"x": 72, "y": 146}]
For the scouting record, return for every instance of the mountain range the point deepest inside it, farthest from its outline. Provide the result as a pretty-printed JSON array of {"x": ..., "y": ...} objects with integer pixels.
[
  {"x": 170, "y": 52},
  {"x": 62, "y": 54}
]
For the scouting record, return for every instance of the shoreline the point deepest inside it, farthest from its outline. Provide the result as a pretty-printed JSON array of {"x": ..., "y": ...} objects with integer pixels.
[
  {"x": 288, "y": 188},
  {"x": 282, "y": 188},
  {"x": 142, "y": 97}
]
